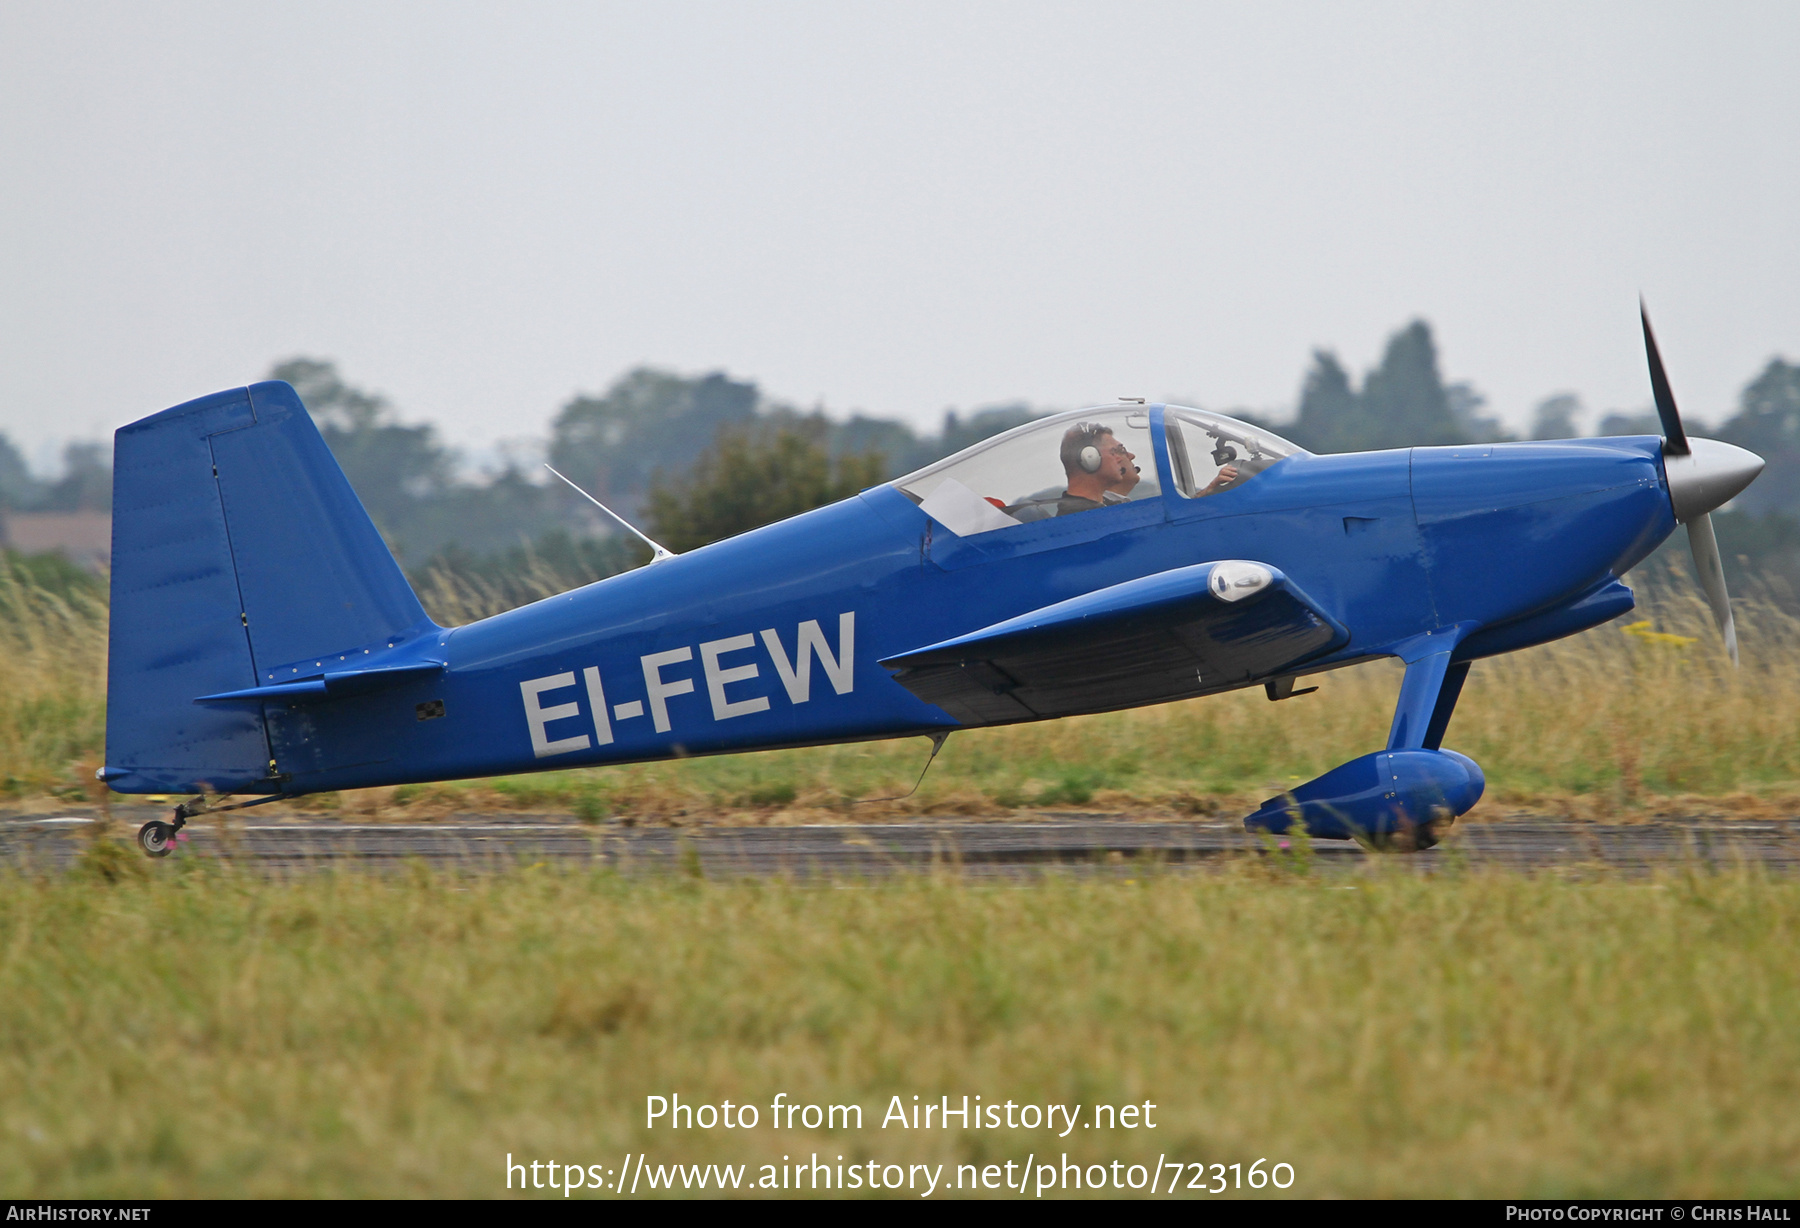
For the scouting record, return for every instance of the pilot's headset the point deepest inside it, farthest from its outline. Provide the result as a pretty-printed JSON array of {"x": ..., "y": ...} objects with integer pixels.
[{"x": 1087, "y": 457}]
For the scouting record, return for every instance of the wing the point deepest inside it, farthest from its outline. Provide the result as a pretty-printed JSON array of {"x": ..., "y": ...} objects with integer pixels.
[{"x": 1187, "y": 631}]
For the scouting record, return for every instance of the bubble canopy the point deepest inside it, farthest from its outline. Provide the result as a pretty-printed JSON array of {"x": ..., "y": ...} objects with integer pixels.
[{"x": 1089, "y": 460}]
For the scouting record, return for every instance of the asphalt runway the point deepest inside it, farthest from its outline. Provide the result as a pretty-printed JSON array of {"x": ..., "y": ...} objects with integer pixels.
[{"x": 1078, "y": 843}]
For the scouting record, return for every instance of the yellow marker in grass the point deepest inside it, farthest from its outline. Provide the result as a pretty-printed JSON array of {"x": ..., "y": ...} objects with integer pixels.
[{"x": 1641, "y": 630}]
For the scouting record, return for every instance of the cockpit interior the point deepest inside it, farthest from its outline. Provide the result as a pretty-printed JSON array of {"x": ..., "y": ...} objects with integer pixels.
[{"x": 1089, "y": 460}]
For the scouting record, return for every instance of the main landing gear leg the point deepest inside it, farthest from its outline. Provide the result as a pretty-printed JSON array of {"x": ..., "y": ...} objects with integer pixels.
[
  {"x": 1428, "y": 696},
  {"x": 1407, "y": 796}
]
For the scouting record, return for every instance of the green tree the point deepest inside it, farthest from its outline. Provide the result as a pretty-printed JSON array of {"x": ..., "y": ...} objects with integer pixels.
[
  {"x": 960, "y": 432},
  {"x": 893, "y": 439},
  {"x": 407, "y": 479},
  {"x": 391, "y": 467},
  {"x": 18, "y": 488},
  {"x": 1330, "y": 418},
  {"x": 1644, "y": 422},
  {"x": 1768, "y": 423},
  {"x": 649, "y": 420},
  {"x": 1403, "y": 402},
  {"x": 904, "y": 448},
  {"x": 1555, "y": 417},
  {"x": 86, "y": 483},
  {"x": 1465, "y": 410},
  {"x": 749, "y": 478}
]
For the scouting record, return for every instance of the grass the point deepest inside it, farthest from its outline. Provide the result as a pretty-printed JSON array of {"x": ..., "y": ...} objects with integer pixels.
[
  {"x": 1615, "y": 723},
  {"x": 52, "y": 680},
  {"x": 1620, "y": 722},
  {"x": 182, "y": 1028},
  {"x": 179, "y": 1029}
]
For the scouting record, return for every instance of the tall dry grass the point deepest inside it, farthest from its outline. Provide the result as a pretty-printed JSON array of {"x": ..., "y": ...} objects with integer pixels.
[
  {"x": 188, "y": 1032},
  {"x": 454, "y": 598},
  {"x": 1641, "y": 714},
  {"x": 52, "y": 683},
  {"x": 1608, "y": 723}
]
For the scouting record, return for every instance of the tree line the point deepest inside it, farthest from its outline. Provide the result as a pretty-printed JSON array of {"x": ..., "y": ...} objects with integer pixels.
[
  {"x": 86, "y": 483},
  {"x": 694, "y": 459}
]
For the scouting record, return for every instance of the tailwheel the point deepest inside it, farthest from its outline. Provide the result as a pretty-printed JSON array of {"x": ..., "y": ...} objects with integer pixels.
[{"x": 156, "y": 838}]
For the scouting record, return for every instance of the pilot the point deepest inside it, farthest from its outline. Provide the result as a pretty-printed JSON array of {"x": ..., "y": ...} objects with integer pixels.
[
  {"x": 1100, "y": 473},
  {"x": 1226, "y": 475}
]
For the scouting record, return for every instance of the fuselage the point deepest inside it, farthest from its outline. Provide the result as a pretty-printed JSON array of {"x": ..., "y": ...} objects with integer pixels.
[{"x": 773, "y": 638}]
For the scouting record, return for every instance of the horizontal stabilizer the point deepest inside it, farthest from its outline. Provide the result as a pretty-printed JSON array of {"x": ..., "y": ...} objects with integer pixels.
[
  {"x": 329, "y": 685},
  {"x": 1186, "y": 631}
]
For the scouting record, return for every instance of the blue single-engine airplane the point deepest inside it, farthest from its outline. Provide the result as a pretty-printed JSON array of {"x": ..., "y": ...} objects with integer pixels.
[{"x": 265, "y": 643}]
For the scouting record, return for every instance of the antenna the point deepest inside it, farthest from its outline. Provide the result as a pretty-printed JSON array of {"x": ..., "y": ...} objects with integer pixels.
[
  {"x": 937, "y": 743},
  {"x": 659, "y": 553}
]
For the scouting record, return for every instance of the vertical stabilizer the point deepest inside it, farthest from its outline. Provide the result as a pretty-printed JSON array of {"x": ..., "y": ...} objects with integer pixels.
[{"x": 239, "y": 553}]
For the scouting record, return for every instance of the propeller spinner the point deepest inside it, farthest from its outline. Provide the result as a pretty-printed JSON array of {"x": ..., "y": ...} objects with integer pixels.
[{"x": 1703, "y": 474}]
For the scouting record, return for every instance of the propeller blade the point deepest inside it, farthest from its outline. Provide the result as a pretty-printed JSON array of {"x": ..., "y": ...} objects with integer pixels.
[
  {"x": 1712, "y": 578},
  {"x": 1675, "y": 441}
]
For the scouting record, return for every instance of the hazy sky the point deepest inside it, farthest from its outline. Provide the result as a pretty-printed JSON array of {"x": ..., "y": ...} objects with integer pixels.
[{"x": 479, "y": 209}]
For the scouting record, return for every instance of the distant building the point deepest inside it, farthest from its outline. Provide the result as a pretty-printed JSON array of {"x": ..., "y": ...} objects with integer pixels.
[{"x": 84, "y": 538}]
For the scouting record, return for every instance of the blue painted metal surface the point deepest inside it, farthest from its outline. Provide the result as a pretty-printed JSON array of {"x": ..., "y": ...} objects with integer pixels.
[
  {"x": 1378, "y": 795},
  {"x": 1165, "y": 597},
  {"x": 264, "y": 640},
  {"x": 1187, "y": 631},
  {"x": 337, "y": 682}
]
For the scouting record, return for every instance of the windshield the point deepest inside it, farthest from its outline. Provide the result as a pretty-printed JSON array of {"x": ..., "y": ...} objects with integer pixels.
[
  {"x": 1209, "y": 452},
  {"x": 1085, "y": 461}
]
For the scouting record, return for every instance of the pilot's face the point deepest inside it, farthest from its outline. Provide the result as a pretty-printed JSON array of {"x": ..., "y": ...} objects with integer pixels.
[{"x": 1116, "y": 467}]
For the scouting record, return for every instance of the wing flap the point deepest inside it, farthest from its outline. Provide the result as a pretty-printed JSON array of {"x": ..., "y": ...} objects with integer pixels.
[{"x": 1184, "y": 632}]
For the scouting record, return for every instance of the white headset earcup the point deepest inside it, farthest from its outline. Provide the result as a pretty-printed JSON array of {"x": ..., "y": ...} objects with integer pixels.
[{"x": 1090, "y": 459}]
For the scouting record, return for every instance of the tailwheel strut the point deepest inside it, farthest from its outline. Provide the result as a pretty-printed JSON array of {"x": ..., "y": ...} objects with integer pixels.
[{"x": 157, "y": 838}]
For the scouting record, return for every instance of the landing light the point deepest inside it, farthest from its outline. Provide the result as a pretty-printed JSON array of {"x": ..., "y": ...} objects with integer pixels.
[{"x": 1235, "y": 579}]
